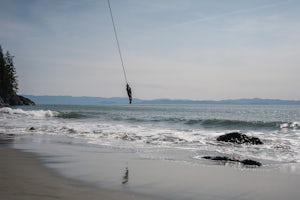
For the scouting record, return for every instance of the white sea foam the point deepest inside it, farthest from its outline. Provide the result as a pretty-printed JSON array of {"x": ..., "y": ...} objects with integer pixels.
[
  {"x": 293, "y": 125},
  {"x": 34, "y": 113}
]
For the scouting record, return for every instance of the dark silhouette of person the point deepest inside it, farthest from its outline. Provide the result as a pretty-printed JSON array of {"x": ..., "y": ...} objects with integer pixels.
[{"x": 129, "y": 93}]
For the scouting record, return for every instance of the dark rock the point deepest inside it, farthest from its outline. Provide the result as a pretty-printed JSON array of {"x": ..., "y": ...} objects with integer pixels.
[
  {"x": 219, "y": 158},
  {"x": 32, "y": 129},
  {"x": 25, "y": 101},
  {"x": 228, "y": 159},
  {"x": 14, "y": 100},
  {"x": 239, "y": 138},
  {"x": 250, "y": 162}
]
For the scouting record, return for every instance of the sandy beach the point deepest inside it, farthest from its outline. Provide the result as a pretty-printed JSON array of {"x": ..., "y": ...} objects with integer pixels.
[{"x": 23, "y": 177}]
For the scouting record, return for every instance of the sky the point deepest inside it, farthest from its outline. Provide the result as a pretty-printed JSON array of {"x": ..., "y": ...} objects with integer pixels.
[{"x": 177, "y": 49}]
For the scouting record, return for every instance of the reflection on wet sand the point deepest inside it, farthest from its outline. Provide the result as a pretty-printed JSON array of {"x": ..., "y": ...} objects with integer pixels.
[{"x": 126, "y": 176}]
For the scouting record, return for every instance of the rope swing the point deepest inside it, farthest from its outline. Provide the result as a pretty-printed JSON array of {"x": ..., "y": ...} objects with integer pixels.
[{"x": 128, "y": 89}]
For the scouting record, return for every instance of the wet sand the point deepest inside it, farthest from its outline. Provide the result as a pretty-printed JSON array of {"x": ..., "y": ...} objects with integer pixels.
[
  {"x": 66, "y": 171},
  {"x": 24, "y": 177}
]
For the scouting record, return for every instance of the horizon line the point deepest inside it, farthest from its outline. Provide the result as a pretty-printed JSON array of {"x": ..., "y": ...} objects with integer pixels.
[{"x": 164, "y": 98}]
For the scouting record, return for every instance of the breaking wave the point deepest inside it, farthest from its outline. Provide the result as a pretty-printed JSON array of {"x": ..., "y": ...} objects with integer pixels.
[
  {"x": 242, "y": 124},
  {"x": 214, "y": 123},
  {"x": 70, "y": 115},
  {"x": 33, "y": 113},
  {"x": 40, "y": 113},
  {"x": 185, "y": 121}
]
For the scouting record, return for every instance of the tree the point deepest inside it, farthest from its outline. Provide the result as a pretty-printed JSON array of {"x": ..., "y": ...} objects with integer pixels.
[
  {"x": 8, "y": 76},
  {"x": 9, "y": 82},
  {"x": 2, "y": 72},
  {"x": 11, "y": 73}
]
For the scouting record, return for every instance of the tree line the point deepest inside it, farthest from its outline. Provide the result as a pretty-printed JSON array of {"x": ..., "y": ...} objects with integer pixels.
[{"x": 8, "y": 75}]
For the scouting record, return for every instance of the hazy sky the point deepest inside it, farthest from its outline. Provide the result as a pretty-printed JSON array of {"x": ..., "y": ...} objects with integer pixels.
[{"x": 187, "y": 49}]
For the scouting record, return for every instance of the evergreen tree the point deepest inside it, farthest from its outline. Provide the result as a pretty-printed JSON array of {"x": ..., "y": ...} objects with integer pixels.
[
  {"x": 2, "y": 72},
  {"x": 9, "y": 83},
  {"x": 11, "y": 73},
  {"x": 8, "y": 76}
]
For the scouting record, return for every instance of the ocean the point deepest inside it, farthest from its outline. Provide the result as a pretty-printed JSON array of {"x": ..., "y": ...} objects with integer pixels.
[
  {"x": 158, "y": 150},
  {"x": 157, "y": 131}
]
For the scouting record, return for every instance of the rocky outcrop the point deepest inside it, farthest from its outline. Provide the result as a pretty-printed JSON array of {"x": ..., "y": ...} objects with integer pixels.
[
  {"x": 15, "y": 100},
  {"x": 239, "y": 138},
  {"x": 236, "y": 138},
  {"x": 24, "y": 101},
  {"x": 226, "y": 159}
]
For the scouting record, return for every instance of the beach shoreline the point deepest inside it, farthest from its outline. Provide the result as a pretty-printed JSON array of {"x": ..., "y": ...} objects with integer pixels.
[
  {"x": 29, "y": 172},
  {"x": 23, "y": 176}
]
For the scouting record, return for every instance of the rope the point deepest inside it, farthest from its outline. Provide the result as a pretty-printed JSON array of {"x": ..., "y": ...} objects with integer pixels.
[{"x": 117, "y": 40}]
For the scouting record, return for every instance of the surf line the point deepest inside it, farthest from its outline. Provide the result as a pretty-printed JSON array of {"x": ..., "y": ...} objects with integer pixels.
[{"x": 128, "y": 88}]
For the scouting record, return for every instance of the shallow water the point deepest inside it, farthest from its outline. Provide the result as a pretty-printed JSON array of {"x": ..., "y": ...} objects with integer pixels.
[{"x": 157, "y": 131}]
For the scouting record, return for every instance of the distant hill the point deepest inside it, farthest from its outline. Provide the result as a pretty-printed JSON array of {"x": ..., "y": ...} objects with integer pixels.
[
  {"x": 120, "y": 100},
  {"x": 76, "y": 100}
]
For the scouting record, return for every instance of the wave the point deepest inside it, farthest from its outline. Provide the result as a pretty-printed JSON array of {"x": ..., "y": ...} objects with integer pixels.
[
  {"x": 70, "y": 115},
  {"x": 294, "y": 125},
  {"x": 164, "y": 120},
  {"x": 224, "y": 123},
  {"x": 34, "y": 113},
  {"x": 242, "y": 124},
  {"x": 40, "y": 113},
  {"x": 213, "y": 123}
]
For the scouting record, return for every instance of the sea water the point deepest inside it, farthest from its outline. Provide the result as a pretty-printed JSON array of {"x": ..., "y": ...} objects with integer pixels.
[
  {"x": 162, "y": 147},
  {"x": 148, "y": 128}
]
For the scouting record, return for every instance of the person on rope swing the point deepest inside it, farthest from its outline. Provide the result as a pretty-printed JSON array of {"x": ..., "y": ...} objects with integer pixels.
[{"x": 129, "y": 93}]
